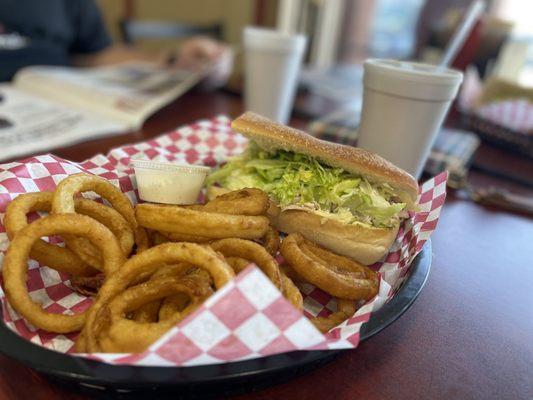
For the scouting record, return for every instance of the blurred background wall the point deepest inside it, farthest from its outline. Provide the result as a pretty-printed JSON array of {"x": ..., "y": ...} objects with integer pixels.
[
  {"x": 232, "y": 14},
  {"x": 406, "y": 29}
]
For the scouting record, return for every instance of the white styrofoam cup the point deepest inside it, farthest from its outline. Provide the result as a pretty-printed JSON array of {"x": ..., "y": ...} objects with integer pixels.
[
  {"x": 272, "y": 65},
  {"x": 404, "y": 105}
]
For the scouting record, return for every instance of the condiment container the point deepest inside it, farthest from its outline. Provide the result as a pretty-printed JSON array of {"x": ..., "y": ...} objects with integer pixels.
[{"x": 169, "y": 183}]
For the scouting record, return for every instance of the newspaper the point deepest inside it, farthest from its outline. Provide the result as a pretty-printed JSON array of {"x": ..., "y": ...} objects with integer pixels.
[
  {"x": 29, "y": 124},
  {"x": 47, "y": 107}
]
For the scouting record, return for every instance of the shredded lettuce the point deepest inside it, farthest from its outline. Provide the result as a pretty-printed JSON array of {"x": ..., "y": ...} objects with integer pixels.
[{"x": 294, "y": 179}]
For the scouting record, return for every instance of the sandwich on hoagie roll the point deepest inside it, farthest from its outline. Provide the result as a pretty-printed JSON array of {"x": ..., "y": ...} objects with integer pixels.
[{"x": 346, "y": 199}]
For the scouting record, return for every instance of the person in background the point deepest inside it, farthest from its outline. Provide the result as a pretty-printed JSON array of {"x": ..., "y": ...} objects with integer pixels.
[{"x": 72, "y": 32}]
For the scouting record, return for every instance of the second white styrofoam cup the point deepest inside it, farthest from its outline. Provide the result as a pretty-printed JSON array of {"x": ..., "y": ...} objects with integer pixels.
[{"x": 272, "y": 64}]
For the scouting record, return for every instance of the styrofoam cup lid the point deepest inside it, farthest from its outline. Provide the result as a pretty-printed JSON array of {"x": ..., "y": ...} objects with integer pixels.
[
  {"x": 411, "y": 79},
  {"x": 273, "y": 40}
]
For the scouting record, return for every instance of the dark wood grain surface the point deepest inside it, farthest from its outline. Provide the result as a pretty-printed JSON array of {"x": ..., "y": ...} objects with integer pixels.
[{"x": 468, "y": 336}]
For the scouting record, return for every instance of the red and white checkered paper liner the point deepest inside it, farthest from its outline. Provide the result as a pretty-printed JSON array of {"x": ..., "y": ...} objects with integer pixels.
[{"x": 247, "y": 318}]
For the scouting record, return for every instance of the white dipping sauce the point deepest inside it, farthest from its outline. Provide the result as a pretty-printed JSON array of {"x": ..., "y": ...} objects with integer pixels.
[{"x": 167, "y": 183}]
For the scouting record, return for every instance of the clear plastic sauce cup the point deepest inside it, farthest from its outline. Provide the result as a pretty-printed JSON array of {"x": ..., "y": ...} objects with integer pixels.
[{"x": 169, "y": 183}]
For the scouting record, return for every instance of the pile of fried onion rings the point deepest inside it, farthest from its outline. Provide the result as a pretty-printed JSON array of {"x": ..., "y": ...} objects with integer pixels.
[{"x": 151, "y": 266}]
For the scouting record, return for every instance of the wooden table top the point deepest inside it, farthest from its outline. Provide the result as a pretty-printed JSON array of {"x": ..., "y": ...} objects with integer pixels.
[{"x": 468, "y": 336}]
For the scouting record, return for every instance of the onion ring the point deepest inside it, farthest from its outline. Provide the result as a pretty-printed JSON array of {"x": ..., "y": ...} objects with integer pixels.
[
  {"x": 15, "y": 269},
  {"x": 214, "y": 225},
  {"x": 291, "y": 292},
  {"x": 272, "y": 211},
  {"x": 126, "y": 336},
  {"x": 249, "y": 202},
  {"x": 63, "y": 200},
  {"x": 179, "y": 303},
  {"x": 323, "y": 324},
  {"x": 253, "y": 252},
  {"x": 53, "y": 256},
  {"x": 333, "y": 260},
  {"x": 108, "y": 217},
  {"x": 152, "y": 312},
  {"x": 238, "y": 202},
  {"x": 345, "y": 309},
  {"x": 240, "y": 253},
  {"x": 149, "y": 312},
  {"x": 334, "y": 280},
  {"x": 146, "y": 263},
  {"x": 60, "y": 258}
]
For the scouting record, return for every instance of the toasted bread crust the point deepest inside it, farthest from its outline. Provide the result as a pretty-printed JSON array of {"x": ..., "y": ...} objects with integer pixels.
[
  {"x": 272, "y": 136},
  {"x": 360, "y": 242}
]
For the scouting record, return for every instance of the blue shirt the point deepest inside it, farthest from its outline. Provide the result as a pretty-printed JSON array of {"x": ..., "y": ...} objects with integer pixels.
[{"x": 48, "y": 32}]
